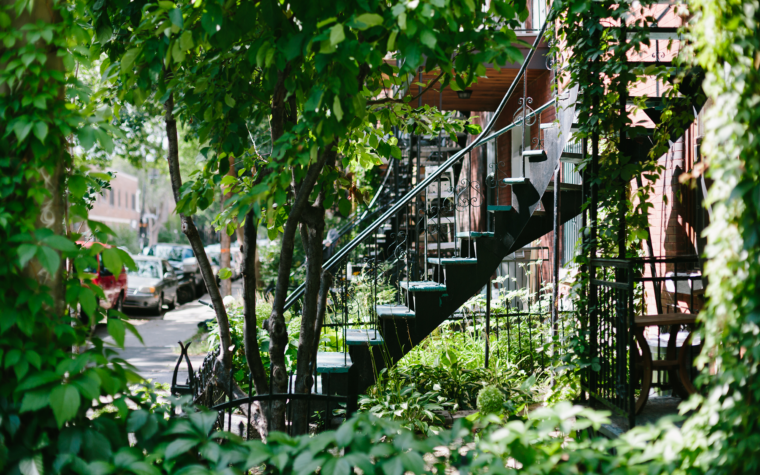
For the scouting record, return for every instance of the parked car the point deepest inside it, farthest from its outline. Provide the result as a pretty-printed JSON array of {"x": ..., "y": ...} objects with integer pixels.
[
  {"x": 114, "y": 288},
  {"x": 182, "y": 258},
  {"x": 152, "y": 285}
]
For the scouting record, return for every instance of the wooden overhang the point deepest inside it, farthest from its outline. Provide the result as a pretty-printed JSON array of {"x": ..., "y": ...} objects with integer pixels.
[{"x": 488, "y": 91}]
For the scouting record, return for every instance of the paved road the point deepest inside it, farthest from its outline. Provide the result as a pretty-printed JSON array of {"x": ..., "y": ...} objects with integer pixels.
[{"x": 156, "y": 357}]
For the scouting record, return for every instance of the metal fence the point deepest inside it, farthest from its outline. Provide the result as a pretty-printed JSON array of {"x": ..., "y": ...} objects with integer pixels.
[
  {"x": 322, "y": 403},
  {"x": 628, "y": 299}
]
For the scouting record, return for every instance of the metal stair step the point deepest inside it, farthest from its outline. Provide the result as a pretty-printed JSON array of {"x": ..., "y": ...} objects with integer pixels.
[
  {"x": 328, "y": 362},
  {"x": 535, "y": 156},
  {"x": 565, "y": 187},
  {"x": 571, "y": 157},
  {"x": 451, "y": 261},
  {"x": 654, "y": 33},
  {"x": 445, "y": 246},
  {"x": 363, "y": 337},
  {"x": 522, "y": 180},
  {"x": 422, "y": 286},
  {"x": 394, "y": 311},
  {"x": 475, "y": 234},
  {"x": 495, "y": 208}
]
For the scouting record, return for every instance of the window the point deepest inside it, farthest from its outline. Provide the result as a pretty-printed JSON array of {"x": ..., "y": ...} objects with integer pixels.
[
  {"x": 134, "y": 202},
  {"x": 110, "y": 194},
  {"x": 119, "y": 199},
  {"x": 145, "y": 268}
]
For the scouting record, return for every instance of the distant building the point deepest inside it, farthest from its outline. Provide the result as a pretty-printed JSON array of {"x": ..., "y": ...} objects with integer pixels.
[{"x": 121, "y": 204}]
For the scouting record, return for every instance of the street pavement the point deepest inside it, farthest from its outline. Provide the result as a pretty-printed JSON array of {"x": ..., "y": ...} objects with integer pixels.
[{"x": 156, "y": 357}]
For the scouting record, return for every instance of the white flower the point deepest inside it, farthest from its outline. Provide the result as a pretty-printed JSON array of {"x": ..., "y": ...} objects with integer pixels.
[{"x": 229, "y": 301}]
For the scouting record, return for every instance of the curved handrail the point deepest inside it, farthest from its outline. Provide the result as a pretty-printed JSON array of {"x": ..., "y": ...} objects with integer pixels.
[{"x": 421, "y": 186}]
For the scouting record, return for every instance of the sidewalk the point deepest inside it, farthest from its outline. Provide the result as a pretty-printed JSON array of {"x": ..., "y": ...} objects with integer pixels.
[{"x": 156, "y": 358}]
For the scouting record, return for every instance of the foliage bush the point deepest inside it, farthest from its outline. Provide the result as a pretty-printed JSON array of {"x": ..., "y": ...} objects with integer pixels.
[{"x": 490, "y": 400}]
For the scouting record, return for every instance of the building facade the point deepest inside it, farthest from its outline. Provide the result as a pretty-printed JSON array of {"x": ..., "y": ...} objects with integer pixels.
[{"x": 121, "y": 204}]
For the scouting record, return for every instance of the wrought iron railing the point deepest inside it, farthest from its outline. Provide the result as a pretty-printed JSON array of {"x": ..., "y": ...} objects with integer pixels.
[
  {"x": 322, "y": 401},
  {"x": 394, "y": 237},
  {"x": 627, "y": 301}
]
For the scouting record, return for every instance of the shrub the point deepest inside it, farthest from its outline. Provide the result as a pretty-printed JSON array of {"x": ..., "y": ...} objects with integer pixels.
[{"x": 490, "y": 400}]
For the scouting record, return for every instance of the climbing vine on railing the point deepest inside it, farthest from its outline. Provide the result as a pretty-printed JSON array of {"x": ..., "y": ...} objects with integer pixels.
[{"x": 725, "y": 41}]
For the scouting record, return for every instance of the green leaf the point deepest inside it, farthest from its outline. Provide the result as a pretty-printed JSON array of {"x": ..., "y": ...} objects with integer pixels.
[
  {"x": 129, "y": 59},
  {"x": 186, "y": 41},
  {"x": 337, "y": 109},
  {"x": 49, "y": 259},
  {"x": 22, "y": 129},
  {"x": 428, "y": 39},
  {"x": 126, "y": 259},
  {"x": 86, "y": 136},
  {"x": 61, "y": 243},
  {"x": 370, "y": 20},
  {"x": 344, "y": 206},
  {"x": 31, "y": 466},
  {"x": 229, "y": 100},
  {"x": 176, "y": 17},
  {"x": 37, "y": 380},
  {"x": 25, "y": 253},
  {"x": 315, "y": 99},
  {"x": 40, "y": 102},
  {"x": 117, "y": 330},
  {"x": 136, "y": 420},
  {"x": 40, "y": 131},
  {"x": 35, "y": 400},
  {"x": 65, "y": 403},
  {"x": 178, "y": 55},
  {"x": 336, "y": 34},
  {"x": 87, "y": 300},
  {"x": 112, "y": 260},
  {"x": 179, "y": 447},
  {"x": 326, "y": 22},
  {"x": 5, "y": 20},
  {"x": 392, "y": 40},
  {"x": 204, "y": 421},
  {"x": 225, "y": 273}
]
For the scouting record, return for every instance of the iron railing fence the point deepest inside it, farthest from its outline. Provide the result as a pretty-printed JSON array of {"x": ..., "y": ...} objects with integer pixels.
[
  {"x": 322, "y": 403},
  {"x": 627, "y": 298}
]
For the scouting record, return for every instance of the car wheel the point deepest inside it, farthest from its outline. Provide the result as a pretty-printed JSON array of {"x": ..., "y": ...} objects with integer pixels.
[
  {"x": 159, "y": 309},
  {"x": 173, "y": 304}
]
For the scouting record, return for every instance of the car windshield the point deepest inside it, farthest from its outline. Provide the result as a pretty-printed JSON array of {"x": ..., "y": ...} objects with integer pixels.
[
  {"x": 168, "y": 253},
  {"x": 146, "y": 269},
  {"x": 187, "y": 253},
  {"x": 214, "y": 256}
]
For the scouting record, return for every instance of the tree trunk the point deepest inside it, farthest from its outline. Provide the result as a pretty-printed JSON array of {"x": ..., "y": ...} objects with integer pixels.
[
  {"x": 188, "y": 227},
  {"x": 250, "y": 325},
  {"x": 311, "y": 235},
  {"x": 278, "y": 335},
  {"x": 51, "y": 213}
]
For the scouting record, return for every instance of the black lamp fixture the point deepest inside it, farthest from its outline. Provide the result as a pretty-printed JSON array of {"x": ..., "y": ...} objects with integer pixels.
[{"x": 464, "y": 94}]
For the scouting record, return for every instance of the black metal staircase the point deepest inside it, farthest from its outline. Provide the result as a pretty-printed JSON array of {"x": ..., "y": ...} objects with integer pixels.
[{"x": 427, "y": 247}]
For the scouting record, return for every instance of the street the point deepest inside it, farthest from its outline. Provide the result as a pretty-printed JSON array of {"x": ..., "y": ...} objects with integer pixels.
[{"x": 157, "y": 356}]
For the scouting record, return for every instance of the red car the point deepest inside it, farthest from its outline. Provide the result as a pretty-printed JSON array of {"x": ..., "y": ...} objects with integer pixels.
[{"x": 114, "y": 288}]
